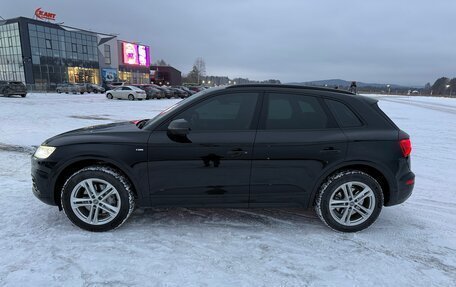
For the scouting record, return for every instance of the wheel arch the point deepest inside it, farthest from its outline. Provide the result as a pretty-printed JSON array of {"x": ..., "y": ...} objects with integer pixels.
[
  {"x": 74, "y": 165},
  {"x": 384, "y": 178}
]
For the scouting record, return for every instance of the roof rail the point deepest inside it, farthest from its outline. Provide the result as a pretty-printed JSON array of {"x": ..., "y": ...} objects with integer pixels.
[{"x": 290, "y": 87}]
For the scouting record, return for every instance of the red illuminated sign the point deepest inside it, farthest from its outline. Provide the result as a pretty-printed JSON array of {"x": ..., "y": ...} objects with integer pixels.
[{"x": 43, "y": 15}]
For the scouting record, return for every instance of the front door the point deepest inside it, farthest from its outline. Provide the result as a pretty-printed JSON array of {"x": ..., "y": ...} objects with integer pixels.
[
  {"x": 297, "y": 138},
  {"x": 212, "y": 166}
]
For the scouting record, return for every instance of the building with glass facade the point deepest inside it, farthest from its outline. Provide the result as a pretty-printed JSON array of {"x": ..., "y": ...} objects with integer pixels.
[
  {"x": 11, "y": 60},
  {"x": 44, "y": 54}
]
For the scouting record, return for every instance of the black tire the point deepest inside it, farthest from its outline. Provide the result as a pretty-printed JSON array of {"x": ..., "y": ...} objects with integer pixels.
[
  {"x": 23, "y": 96},
  {"x": 333, "y": 183},
  {"x": 113, "y": 177},
  {"x": 109, "y": 96},
  {"x": 131, "y": 97}
]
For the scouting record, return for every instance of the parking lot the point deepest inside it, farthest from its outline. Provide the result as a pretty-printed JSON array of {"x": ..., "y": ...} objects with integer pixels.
[{"x": 410, "y": 244}]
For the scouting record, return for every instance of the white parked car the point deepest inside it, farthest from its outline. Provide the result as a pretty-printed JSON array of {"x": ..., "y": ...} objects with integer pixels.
[{"x": 126, "y": 92}]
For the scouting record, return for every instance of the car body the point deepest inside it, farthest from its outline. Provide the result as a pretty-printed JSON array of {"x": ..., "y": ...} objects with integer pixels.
[
  {"x": 179, "y": 92},
  {"x": 168, "y": 92},
  {"x": 68, "y": 88},
  {"x": 196, "y": 88},
  {"x": 113, "y": 85},
  {"x": 186, "y": 89},
  {"x": 127, "y": 93},
  {"x": 152, "y": 91},
  {"x": 93, "y": 88},
  {"x": 241, "y": 146},
  {"x": 9, "y": 88}
]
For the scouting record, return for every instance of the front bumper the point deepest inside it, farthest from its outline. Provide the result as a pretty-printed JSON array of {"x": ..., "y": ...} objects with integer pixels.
[{"x": 41, "y": 181}]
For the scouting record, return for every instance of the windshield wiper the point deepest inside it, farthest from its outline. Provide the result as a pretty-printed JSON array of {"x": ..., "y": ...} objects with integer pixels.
[{"x": 140, "y": 124}]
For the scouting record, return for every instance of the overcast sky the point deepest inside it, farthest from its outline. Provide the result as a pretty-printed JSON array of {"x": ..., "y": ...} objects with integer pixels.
[{"x": 388, "y": 41}]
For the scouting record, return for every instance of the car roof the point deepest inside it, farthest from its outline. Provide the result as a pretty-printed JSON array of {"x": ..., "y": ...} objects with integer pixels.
[
  {"x": 281, "y": 86},
  {"x": 330, "y": 91}
]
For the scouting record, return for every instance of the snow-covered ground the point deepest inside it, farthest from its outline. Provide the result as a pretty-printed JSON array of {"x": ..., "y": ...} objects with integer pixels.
[{"x": 410, "y": 244}]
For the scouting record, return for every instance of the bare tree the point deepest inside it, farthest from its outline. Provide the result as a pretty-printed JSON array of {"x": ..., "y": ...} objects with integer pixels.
[
  {"x": 160, "y": 62},
  {"x": 200, "y": 67}
]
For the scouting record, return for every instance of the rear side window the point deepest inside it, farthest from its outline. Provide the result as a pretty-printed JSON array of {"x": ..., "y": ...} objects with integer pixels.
[
  {"x": 344, "y": 115},
  {"x": 292, "y": 111}
]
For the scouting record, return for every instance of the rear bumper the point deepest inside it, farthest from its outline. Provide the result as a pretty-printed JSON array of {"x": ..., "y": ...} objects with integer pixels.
[{"x": 405, "y": 182}]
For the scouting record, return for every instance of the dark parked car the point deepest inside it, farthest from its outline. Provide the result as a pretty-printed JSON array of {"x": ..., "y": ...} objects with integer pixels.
[
  {"x": 179, "y": 92},
  {"x": 71, "y": 88},
  {"x": 10, "y": 88},
  {"x": 189, "y": 92},
  {"x": 93, "y": 88},
  {"x": 196, "y": 88},
  {"x": 168, "y": 92},
  {"x": 237, "y": 146},
  {"x": 151, "y": 91}
]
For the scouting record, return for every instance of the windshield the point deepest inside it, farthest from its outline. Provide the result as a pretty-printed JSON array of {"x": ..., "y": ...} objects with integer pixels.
[{"x": 165, "y": 112}]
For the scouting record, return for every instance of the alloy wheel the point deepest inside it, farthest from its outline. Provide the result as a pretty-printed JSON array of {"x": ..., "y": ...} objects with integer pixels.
[
  {"x": 352, "y": 203},
  {"x": 95, "y": 201}
]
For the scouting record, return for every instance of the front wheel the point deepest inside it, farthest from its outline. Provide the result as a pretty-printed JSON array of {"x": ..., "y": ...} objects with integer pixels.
[
  {"x": 131, "y": 97},
  {"x": 109, "y": 96},
  {"x": 97, "y": 198},
  {"x": 349, "y": 201}
]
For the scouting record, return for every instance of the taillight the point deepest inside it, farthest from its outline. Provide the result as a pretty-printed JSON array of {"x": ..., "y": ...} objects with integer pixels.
[{"x": 406, "y": 147}]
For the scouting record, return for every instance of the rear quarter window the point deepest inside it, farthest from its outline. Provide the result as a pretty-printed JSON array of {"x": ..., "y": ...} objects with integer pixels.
[{"x": 343, "y": 114}]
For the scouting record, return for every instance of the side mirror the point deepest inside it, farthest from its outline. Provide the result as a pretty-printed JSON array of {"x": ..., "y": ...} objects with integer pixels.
[
  {"x": 179, "y": 127},
  {"x": 178, "y": 130}
]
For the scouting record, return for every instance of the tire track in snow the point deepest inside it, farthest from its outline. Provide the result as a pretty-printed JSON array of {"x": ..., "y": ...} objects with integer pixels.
[
  {"x": 17, "y": 148},
  {"x": 439, "y": 107}
]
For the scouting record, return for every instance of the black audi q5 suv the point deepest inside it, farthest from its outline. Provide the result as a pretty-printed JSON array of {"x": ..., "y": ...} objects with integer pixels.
[{"x": 243, "y": 146}]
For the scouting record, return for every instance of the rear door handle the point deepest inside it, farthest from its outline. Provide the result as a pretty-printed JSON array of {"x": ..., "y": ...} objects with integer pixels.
[{"x": 329, "y": 149}]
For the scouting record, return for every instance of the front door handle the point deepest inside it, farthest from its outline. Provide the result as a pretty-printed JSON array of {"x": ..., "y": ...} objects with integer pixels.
[{"x": 237, "y": 152}]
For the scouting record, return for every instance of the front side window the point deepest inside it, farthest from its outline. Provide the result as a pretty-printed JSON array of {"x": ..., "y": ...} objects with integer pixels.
[
  {"x": 223, "y": 112},
  {"x": 293, "y": 112}
]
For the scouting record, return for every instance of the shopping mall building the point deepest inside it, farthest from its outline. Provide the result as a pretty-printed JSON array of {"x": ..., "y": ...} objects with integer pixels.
[{"x": 43, "y": 54}]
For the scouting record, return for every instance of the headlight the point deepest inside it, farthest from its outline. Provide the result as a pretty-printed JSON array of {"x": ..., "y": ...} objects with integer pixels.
[{"x": 43, "y": 152}]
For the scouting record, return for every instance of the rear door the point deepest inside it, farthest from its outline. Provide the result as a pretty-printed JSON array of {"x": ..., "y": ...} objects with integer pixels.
[{"x": 297, "y": 138}]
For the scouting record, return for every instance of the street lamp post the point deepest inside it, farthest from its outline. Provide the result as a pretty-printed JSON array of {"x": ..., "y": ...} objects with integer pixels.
[
  {"x": 389, "y": 89},
  {"x": 448, "y": 86}
]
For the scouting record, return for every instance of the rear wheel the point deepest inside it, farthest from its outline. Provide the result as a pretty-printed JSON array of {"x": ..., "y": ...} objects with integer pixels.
[
  {"x": 109, "y": 96},
  {"x": 349, "y": 201},
  {"x": 131, "y": 97},
  {"x": 97, "y": 198}
]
